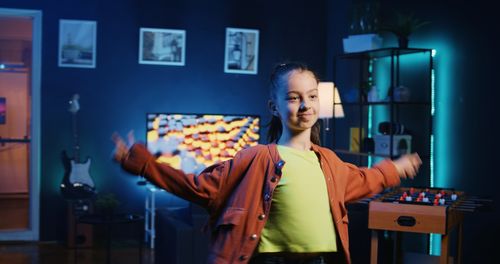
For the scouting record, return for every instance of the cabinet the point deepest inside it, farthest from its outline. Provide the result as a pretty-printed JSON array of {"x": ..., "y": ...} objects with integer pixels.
[{"x": 387, "y": 90}]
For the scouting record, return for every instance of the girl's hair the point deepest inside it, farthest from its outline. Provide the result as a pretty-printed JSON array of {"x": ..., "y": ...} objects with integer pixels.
[{"x": 279, "y": 78}]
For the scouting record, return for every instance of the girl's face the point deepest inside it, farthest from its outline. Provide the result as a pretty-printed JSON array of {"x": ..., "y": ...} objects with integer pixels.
[{"x": 297, "y": 104}]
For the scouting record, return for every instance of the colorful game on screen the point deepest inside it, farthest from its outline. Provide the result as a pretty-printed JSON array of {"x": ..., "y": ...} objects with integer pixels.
[
  {"x": 191, "y": 142},
  {"x": 3, "y": 110}
]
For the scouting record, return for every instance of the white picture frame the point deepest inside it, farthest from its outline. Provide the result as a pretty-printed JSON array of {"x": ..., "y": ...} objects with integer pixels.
[
  {"x": 77, "y": 43},
  {"x": 162, "y": 46},
  {"x": 242, "y": 51}
]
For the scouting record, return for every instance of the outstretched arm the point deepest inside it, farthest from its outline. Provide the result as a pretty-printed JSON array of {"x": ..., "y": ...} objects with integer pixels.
[
  {"x": 363, "y": 182},
  {"x": 122, "y": 148},
  {"x": 201, "y": 189}
]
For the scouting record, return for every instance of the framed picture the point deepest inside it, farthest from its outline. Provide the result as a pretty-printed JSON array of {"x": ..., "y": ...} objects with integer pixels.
[
  {"x": 77, "y": 43},
  {"x": 162, "y": 46},
  {"x": 3, "y": 110},
  {"x": 242, "y": 50}
]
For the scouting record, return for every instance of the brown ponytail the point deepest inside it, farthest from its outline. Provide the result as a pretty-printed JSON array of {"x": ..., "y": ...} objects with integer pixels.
[{"x": 275, "y": 130}]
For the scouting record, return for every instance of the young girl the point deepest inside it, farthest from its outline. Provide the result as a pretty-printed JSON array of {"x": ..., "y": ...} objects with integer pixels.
[{"x": 278, "y": 203}]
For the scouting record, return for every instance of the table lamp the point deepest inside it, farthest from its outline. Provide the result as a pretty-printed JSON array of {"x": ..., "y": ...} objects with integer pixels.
[{"x": 329, "y": 102}]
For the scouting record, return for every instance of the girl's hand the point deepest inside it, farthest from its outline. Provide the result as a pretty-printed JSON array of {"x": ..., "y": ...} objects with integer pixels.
[
  {"x": 408, "y": 165},
  {"x": 121, "y": 148}
]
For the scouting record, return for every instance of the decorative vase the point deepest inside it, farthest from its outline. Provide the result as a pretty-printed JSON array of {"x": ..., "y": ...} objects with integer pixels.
[
  {"x": 373, "y": 95},
  {"x": 402, "y": 94}
]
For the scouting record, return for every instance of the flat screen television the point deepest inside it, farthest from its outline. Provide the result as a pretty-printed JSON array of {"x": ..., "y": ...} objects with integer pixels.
[{"x": 192, "y": 142}]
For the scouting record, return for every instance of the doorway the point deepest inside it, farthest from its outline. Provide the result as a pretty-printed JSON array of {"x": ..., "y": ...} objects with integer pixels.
[{"x": 20, "y": 53}]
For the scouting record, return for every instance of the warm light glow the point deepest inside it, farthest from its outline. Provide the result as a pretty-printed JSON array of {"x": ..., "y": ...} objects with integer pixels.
[
  {"x": 194, "y": 142},
  {"x": 327, "y": 94}
]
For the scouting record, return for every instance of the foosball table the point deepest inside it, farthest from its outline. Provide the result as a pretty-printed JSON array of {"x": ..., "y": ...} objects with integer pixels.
[{"x": 422, "y": 210}]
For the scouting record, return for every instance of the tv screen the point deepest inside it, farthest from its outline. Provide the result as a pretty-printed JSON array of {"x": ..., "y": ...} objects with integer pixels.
[{"x": 192, "y": 142}]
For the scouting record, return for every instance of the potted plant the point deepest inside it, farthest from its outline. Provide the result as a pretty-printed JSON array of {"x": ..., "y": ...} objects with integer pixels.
[{"x": 403, "y": 27}]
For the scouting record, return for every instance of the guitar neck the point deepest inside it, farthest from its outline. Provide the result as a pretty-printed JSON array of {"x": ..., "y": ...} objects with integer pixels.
[{"x": 76, "y": 146}]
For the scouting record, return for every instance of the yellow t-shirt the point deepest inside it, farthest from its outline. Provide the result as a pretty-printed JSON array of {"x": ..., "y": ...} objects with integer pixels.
[{"x": 300, "y": 218}]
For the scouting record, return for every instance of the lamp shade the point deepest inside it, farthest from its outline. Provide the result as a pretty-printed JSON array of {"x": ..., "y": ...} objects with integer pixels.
[{"x": 328, "y": 94}]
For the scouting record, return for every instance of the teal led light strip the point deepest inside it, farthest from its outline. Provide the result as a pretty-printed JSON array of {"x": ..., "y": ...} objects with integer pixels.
[
  {"x": 433, "y": 109},
  {"x": 370, "y": 110},
  {"x": 433, "y": 83},
  {"x": 434, "y": 239}
]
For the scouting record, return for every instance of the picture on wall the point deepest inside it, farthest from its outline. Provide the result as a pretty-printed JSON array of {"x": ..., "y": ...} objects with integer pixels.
[
  {"x": 77, "y": 43},
  {"x": 242, "y": 51},
  {"x": 3, "y": 110},
  {"x": 162, "y": 46}
]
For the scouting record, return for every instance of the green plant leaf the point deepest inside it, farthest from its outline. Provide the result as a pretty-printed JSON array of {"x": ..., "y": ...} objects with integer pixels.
[{"x": 404, "y": 25}]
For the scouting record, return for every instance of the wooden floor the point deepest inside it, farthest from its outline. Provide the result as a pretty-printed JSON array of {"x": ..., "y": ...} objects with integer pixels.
[{"x": 55, "y": 253}]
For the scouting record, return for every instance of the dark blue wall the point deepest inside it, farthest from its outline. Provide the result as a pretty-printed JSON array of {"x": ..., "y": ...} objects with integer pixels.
[{"x": 116, "y": 95}]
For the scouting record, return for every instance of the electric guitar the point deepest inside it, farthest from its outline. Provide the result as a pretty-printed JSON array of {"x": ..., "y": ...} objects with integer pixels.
[{"x": 77, "y": 183}]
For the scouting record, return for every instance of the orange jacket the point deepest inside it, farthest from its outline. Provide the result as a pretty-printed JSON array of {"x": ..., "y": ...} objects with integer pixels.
[{"x": 237, "y": 193}]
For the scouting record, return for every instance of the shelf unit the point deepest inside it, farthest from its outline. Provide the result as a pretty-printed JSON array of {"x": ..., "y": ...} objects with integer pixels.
[{"x": 387, "y": 68}]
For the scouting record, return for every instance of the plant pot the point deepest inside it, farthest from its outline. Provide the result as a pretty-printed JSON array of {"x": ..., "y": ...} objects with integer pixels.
[{"x": 403, "y": 42}]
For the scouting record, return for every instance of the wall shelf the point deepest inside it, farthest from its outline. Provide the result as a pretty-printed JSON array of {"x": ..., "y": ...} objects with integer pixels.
[{"x": 395, "y": 68}]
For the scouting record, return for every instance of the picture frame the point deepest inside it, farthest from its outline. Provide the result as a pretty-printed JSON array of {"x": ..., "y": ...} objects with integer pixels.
[
  {"x": 241, "y": 51},
  {"x": 77, "y": 43},
  {"x": 162, "y": 46}
]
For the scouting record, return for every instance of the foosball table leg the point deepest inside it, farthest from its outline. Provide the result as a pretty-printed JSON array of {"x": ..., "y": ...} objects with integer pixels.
[
  {"x": 459, "y": 243},
  {"x": 374, "y": 247},
  {"x": 398, "y": 253},
  {"x": 443, "y": 259}
]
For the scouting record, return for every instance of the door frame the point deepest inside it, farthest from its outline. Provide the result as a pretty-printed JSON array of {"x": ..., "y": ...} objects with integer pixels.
[{"x": 33, "y": 232}]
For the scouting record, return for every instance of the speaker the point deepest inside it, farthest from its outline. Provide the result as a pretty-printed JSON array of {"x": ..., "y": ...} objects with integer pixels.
[
  {"x": 401, "y": 144},
  {"x": 387, "y": 128},
  {"x": 79, "y": 235}
]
